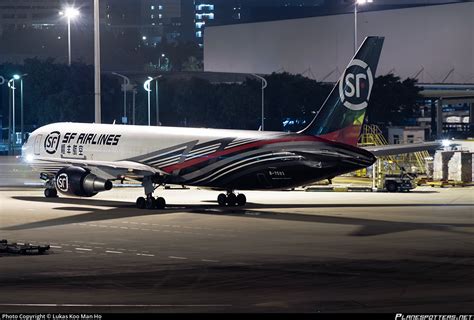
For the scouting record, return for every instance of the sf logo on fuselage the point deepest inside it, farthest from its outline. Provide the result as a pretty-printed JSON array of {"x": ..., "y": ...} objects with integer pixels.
[
  {"x": 355, "y": 85},
  {"x": 62, "y": 182},
  {"x": 51, "y": 142}
]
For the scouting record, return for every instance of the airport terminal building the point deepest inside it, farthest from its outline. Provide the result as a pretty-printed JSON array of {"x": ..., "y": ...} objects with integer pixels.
[{"x": 320, "y": 47}]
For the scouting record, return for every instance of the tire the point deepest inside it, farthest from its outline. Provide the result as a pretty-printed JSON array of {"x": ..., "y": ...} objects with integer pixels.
[
  {"x": 50, "y": 193},
  {"x": 241, "y": 199},
  {"x": 222, "y": 199},
  {"x": 141, "y": 203},
  {"x": 160, "y": 203},
  {"x": 231, "y": 200},
  {"x": 150, "y": 203},
  {"x": 392, "y": 186}
]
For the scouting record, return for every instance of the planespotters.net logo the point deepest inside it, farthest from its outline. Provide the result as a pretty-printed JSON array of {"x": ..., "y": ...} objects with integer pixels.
[
  {"x": 401, "y": 316},
  {"x": 356, "y": 85}
]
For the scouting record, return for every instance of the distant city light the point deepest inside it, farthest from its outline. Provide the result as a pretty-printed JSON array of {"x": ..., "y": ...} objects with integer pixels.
[
  {"x": 144, "y": 38},
  {"x": 364, "y": 1},
  {"x": 16, "y": 77}
]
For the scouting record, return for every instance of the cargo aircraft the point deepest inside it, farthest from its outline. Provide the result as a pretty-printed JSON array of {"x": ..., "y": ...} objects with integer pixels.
[{"x": 83, "y": 159}]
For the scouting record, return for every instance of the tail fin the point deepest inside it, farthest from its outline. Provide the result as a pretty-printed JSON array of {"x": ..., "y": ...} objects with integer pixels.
[{"x": 342, "y": 115}]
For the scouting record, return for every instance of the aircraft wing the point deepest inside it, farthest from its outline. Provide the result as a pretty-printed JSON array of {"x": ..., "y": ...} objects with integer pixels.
[
  {"x": 110, "y": 169},
  {"x": 394, "y": 149}
]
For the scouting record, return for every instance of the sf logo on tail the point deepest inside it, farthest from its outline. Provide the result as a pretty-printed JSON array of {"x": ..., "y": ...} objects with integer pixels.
[{"x": 355, "y": 85}]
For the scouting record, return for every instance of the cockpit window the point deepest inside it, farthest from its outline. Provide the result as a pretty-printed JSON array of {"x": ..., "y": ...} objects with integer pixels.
[{"x": 27, "y": 135}]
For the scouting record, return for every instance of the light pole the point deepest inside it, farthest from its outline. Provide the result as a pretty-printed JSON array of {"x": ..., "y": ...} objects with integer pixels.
[
  {"x": 126, "y": 83},
  {"x": 97, "y": 102},
  {"x": 146, "y": 86},
  {"x": 11, "y": 85},
  {"x": 157, "y": 102},
  {"x": 70, "y": 13},
  {"x": 356, "y": 3},
  {"x": 264, "y": 85},
  {"x": 133, "y": 105},
  {"x": 21, "y": 103}
]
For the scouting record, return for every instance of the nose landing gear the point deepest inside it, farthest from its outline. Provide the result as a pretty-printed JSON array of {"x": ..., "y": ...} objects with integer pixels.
[
  {"x": 50, "y": 191},
  {"x": 231, "y": 199}
]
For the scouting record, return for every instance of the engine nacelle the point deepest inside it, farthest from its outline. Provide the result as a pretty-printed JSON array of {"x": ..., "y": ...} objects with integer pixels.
[{"x": 79, "y": 182}]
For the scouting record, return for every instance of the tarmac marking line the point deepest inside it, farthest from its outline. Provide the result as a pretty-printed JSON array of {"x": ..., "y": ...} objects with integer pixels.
[
  {"x": 56, "y": 247},
  {"x": 116, "y": 252},
  {"x": 179, "y": 258},
  {"x": 207, "y": 260},
  {"x": 83, "y": 249},
  {"x": 145, "y": 254}
]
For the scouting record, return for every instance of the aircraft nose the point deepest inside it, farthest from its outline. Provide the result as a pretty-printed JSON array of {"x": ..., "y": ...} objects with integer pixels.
[{"x": 27, "y": 152}]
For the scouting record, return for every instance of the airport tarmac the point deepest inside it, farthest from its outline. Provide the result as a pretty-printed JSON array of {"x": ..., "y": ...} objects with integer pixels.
[{"x": 284, "y": 252}]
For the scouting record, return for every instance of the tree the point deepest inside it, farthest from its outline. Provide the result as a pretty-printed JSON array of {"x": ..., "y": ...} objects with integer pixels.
[{"x": 393, "y": 101}]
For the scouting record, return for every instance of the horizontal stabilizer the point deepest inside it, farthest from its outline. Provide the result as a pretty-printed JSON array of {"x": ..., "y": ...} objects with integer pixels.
[{"x": 393, "y": 149}]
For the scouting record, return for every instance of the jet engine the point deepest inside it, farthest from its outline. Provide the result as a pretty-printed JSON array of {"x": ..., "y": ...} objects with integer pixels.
[{"x": 79, "y": 182}]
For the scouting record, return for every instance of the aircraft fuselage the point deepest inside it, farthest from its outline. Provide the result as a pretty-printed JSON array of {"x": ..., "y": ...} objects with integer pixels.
[{"x": 210, "y": 158}]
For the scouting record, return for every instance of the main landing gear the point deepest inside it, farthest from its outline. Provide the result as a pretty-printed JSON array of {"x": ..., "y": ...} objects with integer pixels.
[
  {"x": 231, "y": 199},
  {"x": 150, "y": 202}
]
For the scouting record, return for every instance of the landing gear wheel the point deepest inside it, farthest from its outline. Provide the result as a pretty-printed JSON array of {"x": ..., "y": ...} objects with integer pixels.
[
  {"x": 160, "y": 203},
  {"x": 150, "y": 203},
  {"x": 241, "y": 199},
  {"x": 222, "y": 199},
  {"x": 50, "y": 193},
  {"x": 231, "y": 199},
  {"x": 392, "y": 187},
  {"x": 141, "y": 203}
]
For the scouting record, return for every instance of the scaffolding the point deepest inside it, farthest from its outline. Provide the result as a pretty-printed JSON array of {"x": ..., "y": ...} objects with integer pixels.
[{"x": 416, "y": 162}]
